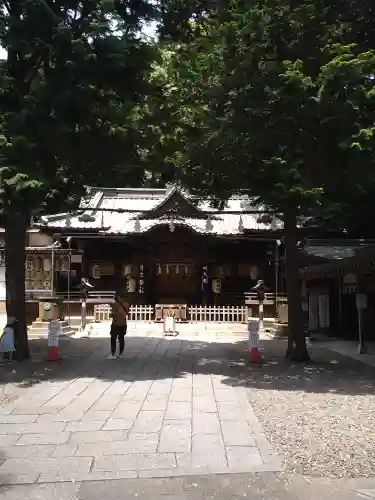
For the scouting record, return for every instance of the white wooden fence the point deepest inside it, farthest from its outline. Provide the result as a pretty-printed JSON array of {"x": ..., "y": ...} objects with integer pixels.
[
  {"x": 196, "y": 314},
  {"x": 141, "y": 313},
  {"x": 102, "y": 312},
  {"x": 218, "y": 314}
]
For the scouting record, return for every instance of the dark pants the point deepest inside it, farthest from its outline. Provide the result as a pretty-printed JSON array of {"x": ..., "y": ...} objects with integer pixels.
[{"x": 120, "y": 332}]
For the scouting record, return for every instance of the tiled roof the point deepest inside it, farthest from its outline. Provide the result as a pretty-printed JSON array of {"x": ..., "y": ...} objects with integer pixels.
[
  {"x": 96, "y": 213},
  {"x": 337, "y": 249}
]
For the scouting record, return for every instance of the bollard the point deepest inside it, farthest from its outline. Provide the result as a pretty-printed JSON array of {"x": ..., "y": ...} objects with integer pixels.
[
  {"x": 54, "y": 331},
  {"x": 254, "y": 351}
]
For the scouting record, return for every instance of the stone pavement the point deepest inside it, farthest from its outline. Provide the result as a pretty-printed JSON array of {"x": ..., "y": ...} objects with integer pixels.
[{"x": 169, "y": 408}]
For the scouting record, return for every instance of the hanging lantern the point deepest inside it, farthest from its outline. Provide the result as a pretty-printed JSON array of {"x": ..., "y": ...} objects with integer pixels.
[
  {"x": 131, "y": 285},
  {"x": 137, "y": 225},
  {"x": 68, "y": 220},
  {"x": 253, "y": 272},
  {"x": 96, "y": 271},
  {"x": 38, "y": 264},
  {"x": 216, "y": 285},
  {"x": 209, "y": 226},
  {"x": 127, "y": 270},
  {"x": 158, "y": 270},
  {"x": 65, "y": 264},
  {"x": 240, "y": 225},
  {"x": 172, "y": 226},
  {"x": 47, "y": 264},
  {"x": 274, "y": 223}
]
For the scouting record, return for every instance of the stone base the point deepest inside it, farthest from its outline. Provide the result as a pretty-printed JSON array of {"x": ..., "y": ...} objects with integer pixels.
[
  {"x": 40, "y": 329},
  {"x": 278, "y": 330}
]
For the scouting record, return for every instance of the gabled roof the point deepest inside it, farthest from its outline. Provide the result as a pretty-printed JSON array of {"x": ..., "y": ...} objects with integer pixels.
[
  {"x": 121, "y": 211},
  {"x": 337, "y": 256},
  {"x": 175, "y": 204}
]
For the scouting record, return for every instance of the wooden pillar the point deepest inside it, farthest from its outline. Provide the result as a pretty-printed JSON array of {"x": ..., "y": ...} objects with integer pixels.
[{"x": 361, "y": 304}]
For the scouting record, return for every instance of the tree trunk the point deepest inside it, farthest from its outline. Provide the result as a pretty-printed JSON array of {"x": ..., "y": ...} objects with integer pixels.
[
  {"x": 297, "y": 350},
  {"x": 15, "y": 255}
]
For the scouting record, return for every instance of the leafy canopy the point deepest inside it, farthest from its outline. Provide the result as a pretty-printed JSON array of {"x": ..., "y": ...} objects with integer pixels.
[
  {"x": 74, "y": 75},
  {"x": 280, "y": 104}
]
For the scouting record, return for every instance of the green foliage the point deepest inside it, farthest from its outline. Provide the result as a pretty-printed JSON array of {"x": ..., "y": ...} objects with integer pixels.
[
  {"x": 278, "y": 104},
  {"x": 74, "y": 75}
]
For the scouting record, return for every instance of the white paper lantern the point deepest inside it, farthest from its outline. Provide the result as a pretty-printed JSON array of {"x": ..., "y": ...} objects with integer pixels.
[
  {"x": 131, "y": 285},
  {"x": 96, "y": 271},
  {"x": 38, "y": 263},
  {"x": 47, "y": 264},
  {"x": 127, "y": 270},
  {"x": 65, "y": 264},
  {"x": 253, "y": 272}
]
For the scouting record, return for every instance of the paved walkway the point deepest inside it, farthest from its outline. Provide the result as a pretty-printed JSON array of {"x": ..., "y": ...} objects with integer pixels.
[{"x": 167, "y": 409}]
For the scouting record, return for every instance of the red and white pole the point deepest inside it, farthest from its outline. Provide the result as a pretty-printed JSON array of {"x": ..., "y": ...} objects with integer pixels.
[{"x": 254, "y": 351}]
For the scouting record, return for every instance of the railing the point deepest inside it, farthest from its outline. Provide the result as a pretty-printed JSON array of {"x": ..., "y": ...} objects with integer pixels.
[
  {"x": 102, "y": 312},
  {"x": 141, "y": 313},
  {"x": 195, "y": 313},
  {"x": 218, "y": 314},
  {"x": 269, "y": 298}
]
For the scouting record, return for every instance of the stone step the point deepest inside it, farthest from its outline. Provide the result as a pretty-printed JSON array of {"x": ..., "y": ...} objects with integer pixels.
[
  {"x": 39, "y": 329},
  {"x": 44, "y": 324},
  {"x": 102, "y": 330},
  {"x": 44, "y": 335},
  {"x": 278, "y": 330}
]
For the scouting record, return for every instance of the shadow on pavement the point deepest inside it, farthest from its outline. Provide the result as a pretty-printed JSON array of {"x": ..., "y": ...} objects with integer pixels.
[{"x": 156, "y": 358}]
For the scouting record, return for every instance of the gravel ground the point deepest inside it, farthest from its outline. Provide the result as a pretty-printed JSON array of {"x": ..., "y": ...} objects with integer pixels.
[{"x": 320, "y": 417}]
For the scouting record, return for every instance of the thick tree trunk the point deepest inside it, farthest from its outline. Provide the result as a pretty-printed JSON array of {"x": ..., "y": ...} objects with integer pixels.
[
  {"x": 297, "y": 350},
  {"x": 15, "y": 256}
]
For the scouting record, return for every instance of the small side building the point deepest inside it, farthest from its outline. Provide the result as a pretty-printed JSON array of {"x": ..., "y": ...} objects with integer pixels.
[{"x": 334, "y": 272}]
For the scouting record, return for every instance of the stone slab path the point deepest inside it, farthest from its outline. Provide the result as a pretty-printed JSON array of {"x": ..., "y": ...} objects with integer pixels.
[{"x": 170, "y": 407}]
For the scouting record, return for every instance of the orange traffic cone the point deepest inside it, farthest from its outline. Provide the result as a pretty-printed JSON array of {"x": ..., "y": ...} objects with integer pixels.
[
  {"x": 255, "y": 356},
  {"x": 53, "y": 354}
]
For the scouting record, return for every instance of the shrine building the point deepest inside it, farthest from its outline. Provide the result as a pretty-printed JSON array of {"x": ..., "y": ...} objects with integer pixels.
[{"x": 162, "y": 246}]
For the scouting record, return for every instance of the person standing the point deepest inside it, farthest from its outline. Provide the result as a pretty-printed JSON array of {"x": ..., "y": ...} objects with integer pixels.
[
  {"x": 7, "y": 340},
  {"x": 120, "y": 311}
]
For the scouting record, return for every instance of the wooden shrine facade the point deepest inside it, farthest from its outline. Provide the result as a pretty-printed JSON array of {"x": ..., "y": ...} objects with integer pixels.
[{"x": 163, "y": 247}]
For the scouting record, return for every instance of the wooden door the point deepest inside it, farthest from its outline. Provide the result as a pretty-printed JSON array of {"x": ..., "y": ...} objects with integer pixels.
[{"x": 175, "y": 283}]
